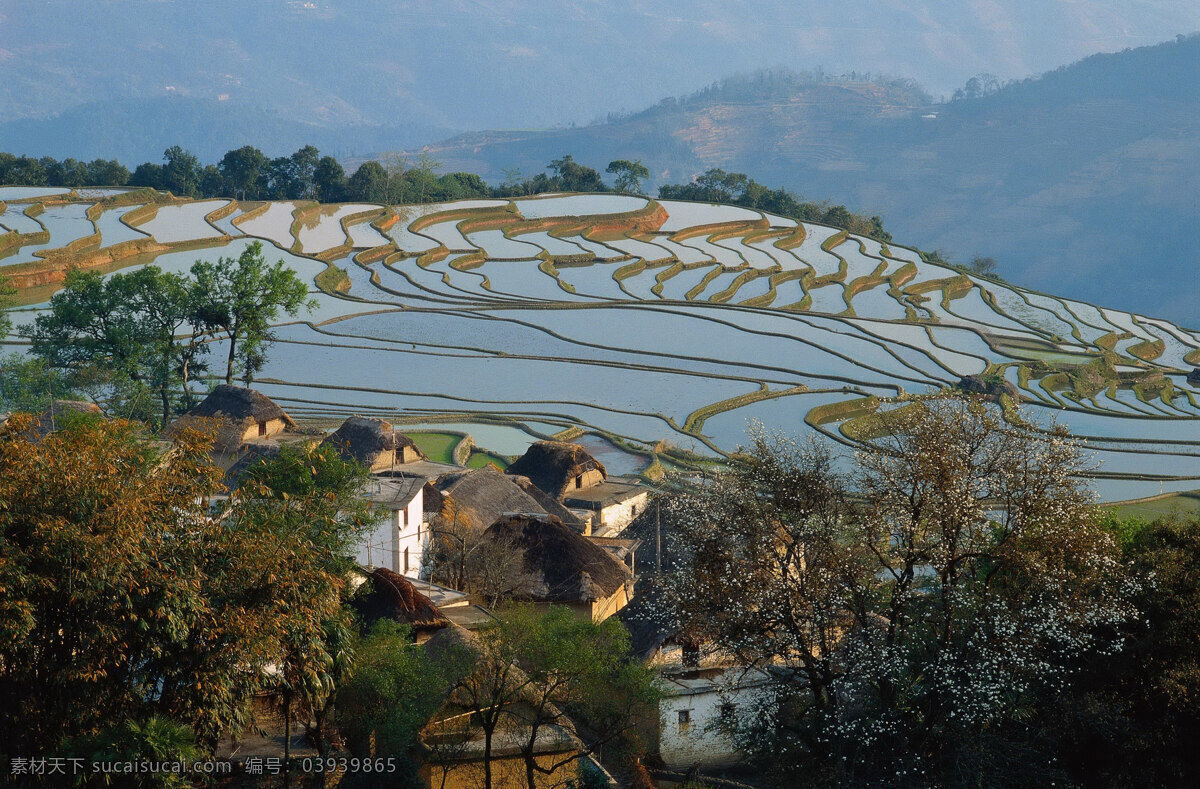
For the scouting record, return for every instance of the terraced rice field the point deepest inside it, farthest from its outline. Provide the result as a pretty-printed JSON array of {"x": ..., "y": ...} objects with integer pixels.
[{"x": 657, "y": 328}]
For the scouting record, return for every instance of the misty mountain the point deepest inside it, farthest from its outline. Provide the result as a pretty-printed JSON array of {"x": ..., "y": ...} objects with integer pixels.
[
  {"x": 139, "y": 130},
  {"x": 1081, "y": 181},
  {"x": 455, "y": 64}
]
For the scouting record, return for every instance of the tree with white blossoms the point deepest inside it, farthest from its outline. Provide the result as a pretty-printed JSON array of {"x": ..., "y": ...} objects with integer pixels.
[{"x": 908, "y": 608}]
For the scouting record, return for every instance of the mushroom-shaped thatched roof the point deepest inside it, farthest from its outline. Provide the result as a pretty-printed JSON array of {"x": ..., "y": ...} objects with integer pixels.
[
  {"x": 389, "y": 595},
  {"x": 372, "y": 442},
  {"x": 60, "y": 412},
  {"x": 478, "y": 497},
  {"x": 255, "y": 455},
  {"x": 554, "y": 465},
  {"x": 233, "y": 409},
  {"x": 239, "y": 404},
  {"x": 568, "y": 566}
]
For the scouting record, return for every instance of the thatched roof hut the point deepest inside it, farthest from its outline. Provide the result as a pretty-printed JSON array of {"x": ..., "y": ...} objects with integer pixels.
[
  {"x": 568, "y": 567},
  {"x": 255, "y": 455},
  {"x": 374, "y": 443},
  {"x": 236, "y": 415},
  {"x": 478, "y": 497},
  {"x": 389, "y": 595},
  {"x": 62, "y": 412},
  {"x": 558, "y": 467}
]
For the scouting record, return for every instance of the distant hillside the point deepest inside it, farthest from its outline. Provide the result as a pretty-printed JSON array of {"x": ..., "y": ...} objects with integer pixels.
[
  {"x": 139, "y": 130},
  {"x": 1081, "y": 181}
]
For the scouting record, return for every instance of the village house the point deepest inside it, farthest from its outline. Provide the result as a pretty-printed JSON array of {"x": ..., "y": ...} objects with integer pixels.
[
  {"x": 559, "y": 467},
  {"x": 454, "y": 605},
  {"x": 612, "y": 505},
  {"x": 705, "y": 692},
  {"x": 235, "y": 416},
  {"x": 478, "y": 497},
  {"x": 399, "y": 538},
  {"x": 383, "y": 594},
  {"x": 453, "y": 745},
  {"x": 569, "y": 474},
  {"x": 374, "y": 443},
  {"x": 697, "y": 709},
  {"x": 564, "y": 567}
]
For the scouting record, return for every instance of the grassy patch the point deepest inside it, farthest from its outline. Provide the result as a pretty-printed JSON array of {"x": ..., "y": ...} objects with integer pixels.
[
  {"x": 333, "y": 279},
  {"x": 439, "y": 447},
  {"x": 1147, "y": 350},
  {"x": 481, "y": 458},
  {"x": 847, "y": 409},
  {"x": 1183, "y": 505}
]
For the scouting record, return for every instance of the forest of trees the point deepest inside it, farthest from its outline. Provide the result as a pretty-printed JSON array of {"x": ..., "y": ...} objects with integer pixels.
[
  {"x": 718, "y": 186},
  {"x": 247, "y": 173}
]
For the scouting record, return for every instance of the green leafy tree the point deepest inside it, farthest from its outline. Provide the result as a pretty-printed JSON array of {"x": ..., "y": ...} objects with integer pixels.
[
  {"x": 329, "y": 180},
  {"x": 29, "y": 384},
  {"x": 7, "y": 292},
  {"x": 629, "y": 174},
  {"x": 148, "y": 174},
  {"x": 181, "y": 172},
  {"x": 21, "y": 170},
  {"x": 279, "y": 183},
  {"x": 315, "y": 492},
  {"x": 133, "y": 326},
  {"x": 456, "y": 186},
  {"x": 157, "y": 739},
  {"x": 1131, "y": 719},
  {"x": 576, "y": 671},
  {"x": 304, "y": 166},
  {"x": 109, "y": 172},
  {"x": 540, "y": 669},
  {"x": 571, "y": 176},
  {"x": 393, "y": 693},
  {"x": 243, "y": 170},
  {"x": 238, "y": 299},
  {"x": 423, "y": 176},
  {"x": 369, "y": 183},
  {"x": 212, "y": 184}
]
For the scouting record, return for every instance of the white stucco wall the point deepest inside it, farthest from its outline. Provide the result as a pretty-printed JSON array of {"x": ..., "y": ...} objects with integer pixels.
[
  {"x": 700, "y": 742},
  {"x": 385, "y": 543},
  {"x": 617, "y": 516}
]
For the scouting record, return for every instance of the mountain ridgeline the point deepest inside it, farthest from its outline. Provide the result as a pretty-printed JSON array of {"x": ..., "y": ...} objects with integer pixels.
[{"x": 1078, "y": 181}]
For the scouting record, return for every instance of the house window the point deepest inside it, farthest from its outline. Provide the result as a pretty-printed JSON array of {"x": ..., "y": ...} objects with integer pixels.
[
  {"x": 685, "y": 720},
  {"x": 262, "y": 428},
  {"x": 406, "y": 560},
  {"x": 691, "y": 654},
  {"x": 728, "y": 713},
  {"x": 579, "y": 481},
  {"x": 406, "y": 518}
]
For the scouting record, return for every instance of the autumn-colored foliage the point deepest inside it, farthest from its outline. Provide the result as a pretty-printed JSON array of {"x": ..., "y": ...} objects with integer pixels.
[{"x": 126, "y": 592}]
